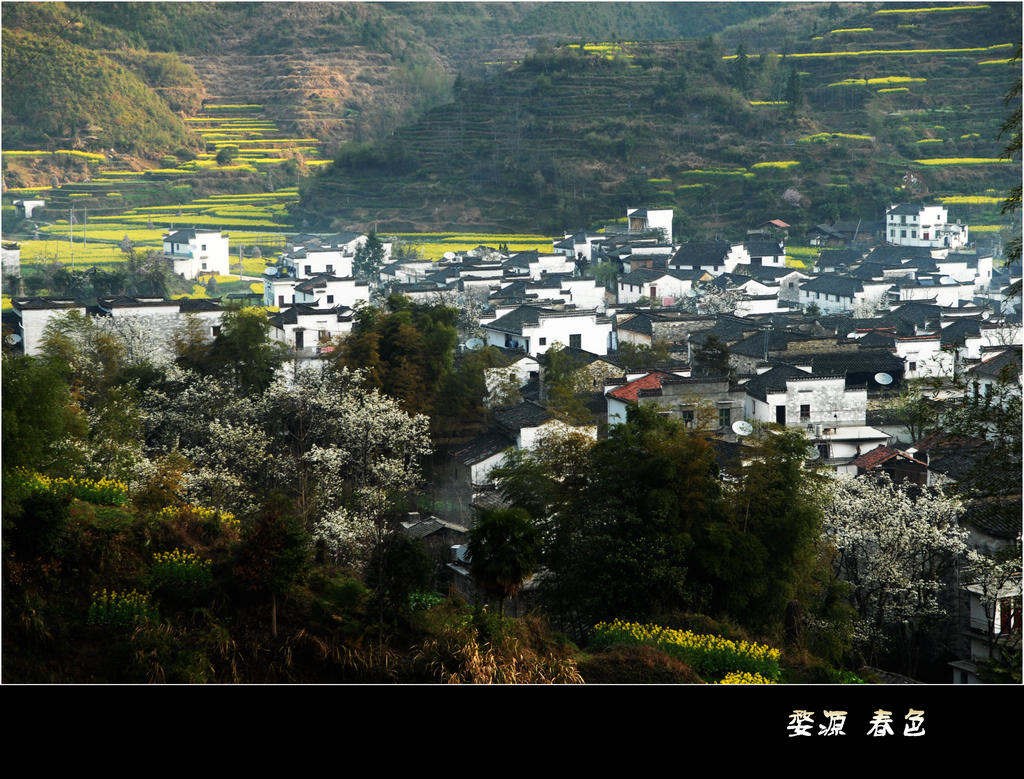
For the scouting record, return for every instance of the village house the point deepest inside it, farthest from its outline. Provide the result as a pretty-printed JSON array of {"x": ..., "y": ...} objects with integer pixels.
[
  {"x": 534, "y": 329},
  {"x": 715, "y": 257},
  {"x": 308, "y": 330},
  {"x": 193, "y": 252},
  {"x": 710, "y": 404},
  {"x": 920, "y": 225}
]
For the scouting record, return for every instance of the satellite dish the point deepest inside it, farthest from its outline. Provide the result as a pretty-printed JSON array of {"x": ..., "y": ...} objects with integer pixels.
[
  {"x": 449, "y": 255},
  {"x": 883, "y": 378},
  {"x": 811, "y": 453},
  {"x": 475, "y": 343},
  {"x": 270, "y": 272},
  {"x": 13, "y": 339},
  {"x": 742, "y": 427},
  {"x": 947, "y": 280}
]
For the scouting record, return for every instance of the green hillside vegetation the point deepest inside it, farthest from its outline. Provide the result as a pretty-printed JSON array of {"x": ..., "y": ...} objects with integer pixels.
[
  {"x": 56, "y": 93},
  {"x": 572, "y": 135}
]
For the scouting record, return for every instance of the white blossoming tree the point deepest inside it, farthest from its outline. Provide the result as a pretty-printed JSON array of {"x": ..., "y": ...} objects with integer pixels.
[{"x": 893, "y": 546}]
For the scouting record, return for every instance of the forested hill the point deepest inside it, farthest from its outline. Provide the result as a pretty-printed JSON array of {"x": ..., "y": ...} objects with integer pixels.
[
  {"x": 815, "y": 113},
  {"x": 121, "y": 74}
]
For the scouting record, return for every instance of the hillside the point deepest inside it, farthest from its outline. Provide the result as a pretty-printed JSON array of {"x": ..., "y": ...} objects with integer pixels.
[{"x": 572, "y": 135}]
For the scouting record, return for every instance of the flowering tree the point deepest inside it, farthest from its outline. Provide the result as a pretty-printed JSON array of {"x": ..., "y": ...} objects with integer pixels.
[{"x": 893, "y": 548}]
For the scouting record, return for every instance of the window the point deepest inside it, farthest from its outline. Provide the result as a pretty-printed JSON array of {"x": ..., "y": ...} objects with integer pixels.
[
  {"x": 204, "y": 266},
  {"x": 216, "y": 330},
  {"x": 330, "y": 298},
  {"x": 903, "y": 233},
  {"x": 924, "y": 236},
  {"x": 309, "y": 269},
  {"x": 913, "y": 233},
  {"x": 576, "y": 341},
  {"x": 911, "y": 366},
  {"x": 724, "y": 417},
  {"x": 280, "y": 301},
  {"x": 903, "y": 220},
  {"x": 688, "y": 417},
  {"x": 543, "y": 341},
  {"x": 202, "y": 248},
  {"x": 805, "y": 412},
  {"x": 330, "y": 269}
]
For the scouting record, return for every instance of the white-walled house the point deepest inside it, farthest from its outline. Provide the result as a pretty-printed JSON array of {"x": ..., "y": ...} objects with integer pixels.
[
  {"x": 792, "y": 397},
  {"x": 156, "y": 317},
  {"x": 919, "y": 225},
  {"x": 662, "y": 286},
  {"x": 192, "y": 252},
  {"x": 35, "y": 314},
  {"x": 331, "y": 291},
  {"x": 642, "y": 220},
  {"x": 534, "y": 329},
  {"x": 924, "y": 357},
  {"x": 833, "y": 293},
  {"x": 305, "y": 328},
  {"x": 715, "y": 257}
]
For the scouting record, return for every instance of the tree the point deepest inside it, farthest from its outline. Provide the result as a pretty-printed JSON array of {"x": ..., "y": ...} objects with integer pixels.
[
  {"x": 893, "y": 544},
  {"x": 758, "y": 557},
  {"x": 794, "y": 94},
  {"x": 273, "y": 557},
  {"x": 504, "y": 550},
  {"x": 635, "y": 356},
  {"x": 243, "y": 351},
  {"x": 369, "y": 257},
  {"x": 225, "y": 154},
  {"x": 39, "y": 416},
  {"x": 712, "y": 359},
  {"x": 741, "y": 69}
]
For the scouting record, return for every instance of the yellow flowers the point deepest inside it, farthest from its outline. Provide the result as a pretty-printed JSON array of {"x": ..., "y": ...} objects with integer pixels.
[
  {"x": 853, "y": 82},
  {"x": 711, "y": 656},
  {"x": 222, "y": 519},
  {"x": 103, "y": 492},
  {"x": 963, "y": 161},
  {"x": 933, "y": 9},
  {"x": 743, "y": 677},
  {"x": 817, "y": 137},
  {"x": 852, "y": 29},
  {"x": 122, "y": 609},
  {"x": 781, "y": 164}
]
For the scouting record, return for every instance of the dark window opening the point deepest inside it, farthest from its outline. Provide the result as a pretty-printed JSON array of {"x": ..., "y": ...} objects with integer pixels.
[
  {"x": 805, "y": 412},
  {"x": 724, "y": 417},
  {"x": 780, "y": 415},
  {"x": 576, "y": 341}
]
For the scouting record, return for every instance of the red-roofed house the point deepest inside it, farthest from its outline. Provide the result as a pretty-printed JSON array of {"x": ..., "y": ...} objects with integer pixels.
[
  {"x": 899, "y": 465},
  {"x": 707, "y": 403}
]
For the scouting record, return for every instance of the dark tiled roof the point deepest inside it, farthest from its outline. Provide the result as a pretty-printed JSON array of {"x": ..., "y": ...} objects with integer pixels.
[
  {"x": 526, "y": 414},
  {"x": 764, "y": 248},
  {"x": 513, "y": 321},
  {"x": 860, "y": 361},
  {"x": 198, "y": 304},
  {"x": 960, "y": 330},
  {"x": 1008, "y": 361},
  {"x": 832, "y": 284},
  {"x": 773, "y": 380},
  {"x": 699, "y": 253},
  {"x": 767, "y": 340},
  {"x": 483, "y": 446}
]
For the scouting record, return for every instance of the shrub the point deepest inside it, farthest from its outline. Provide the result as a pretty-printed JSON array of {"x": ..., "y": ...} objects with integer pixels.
[
  {"x": 179, "y": 568},
  {"x": 121, "y": 609},
  {"x": 636, "y": 664}
]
